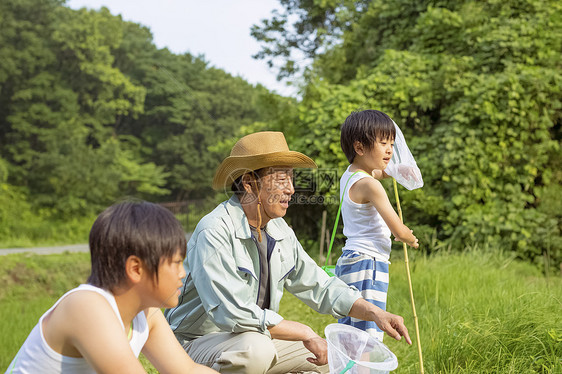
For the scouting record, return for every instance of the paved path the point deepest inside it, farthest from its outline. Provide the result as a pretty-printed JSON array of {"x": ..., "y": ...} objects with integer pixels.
[
  {"x": 47, "y": 250},
  {"x": 51, "y": 250}
]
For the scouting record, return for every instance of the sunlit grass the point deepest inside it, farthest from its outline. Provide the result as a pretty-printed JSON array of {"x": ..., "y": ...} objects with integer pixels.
[
  {"x": 478, "y": 312},
  {"x": 42, "y": 232}
]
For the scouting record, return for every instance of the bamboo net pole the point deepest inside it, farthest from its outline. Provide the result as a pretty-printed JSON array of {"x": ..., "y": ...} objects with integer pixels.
[{"x": 409, "y": 280}]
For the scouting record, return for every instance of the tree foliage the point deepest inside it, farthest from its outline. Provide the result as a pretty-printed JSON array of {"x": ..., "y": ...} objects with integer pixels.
[
  {"x": 91, "y": 111},
  {"x": 475, "y": 86}
]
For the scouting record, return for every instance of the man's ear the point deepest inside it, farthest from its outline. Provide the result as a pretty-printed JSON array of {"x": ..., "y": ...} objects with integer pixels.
[
  {"x": 134, "y": 268},
  {"x": 358, "y": 147},
  {"x": 248, "y": 183}
]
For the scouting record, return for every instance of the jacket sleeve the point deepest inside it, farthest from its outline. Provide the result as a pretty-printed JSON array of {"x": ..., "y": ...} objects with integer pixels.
[
  {"x": 310, "y": 284},
  {"x": 224, "y": 284}
]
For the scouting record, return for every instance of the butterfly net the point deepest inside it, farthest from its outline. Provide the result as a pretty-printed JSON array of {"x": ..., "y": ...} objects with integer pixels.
[{"x": 402, "y": 166}]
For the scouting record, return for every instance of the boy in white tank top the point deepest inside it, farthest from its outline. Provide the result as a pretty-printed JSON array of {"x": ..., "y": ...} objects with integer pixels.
[
  {"x": 137, "y": 251},
  {"x": 367, "y": 139}
]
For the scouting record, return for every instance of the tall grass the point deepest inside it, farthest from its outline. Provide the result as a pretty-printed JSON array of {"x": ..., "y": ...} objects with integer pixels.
[
  {"x": 29, "y": 285},
  {"x": 479, "y": 312},
  {"x": 38, "y": 231}
]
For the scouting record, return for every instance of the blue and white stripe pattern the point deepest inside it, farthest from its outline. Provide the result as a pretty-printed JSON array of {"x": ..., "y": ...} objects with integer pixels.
[{"x": 368, "y": 276}]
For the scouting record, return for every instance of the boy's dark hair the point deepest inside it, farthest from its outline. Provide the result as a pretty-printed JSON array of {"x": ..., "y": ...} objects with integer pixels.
[
  {"x": 365, "y": 127},
  {"x": 143, "y": 229}
]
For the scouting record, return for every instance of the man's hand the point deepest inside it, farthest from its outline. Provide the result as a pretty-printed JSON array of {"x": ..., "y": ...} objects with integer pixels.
[
  {"x": 390, "y": 323},
  {"x": 296, "y": 331},
  {"x": 319, "y": 348},
  {"x": 393, "y": 325}
]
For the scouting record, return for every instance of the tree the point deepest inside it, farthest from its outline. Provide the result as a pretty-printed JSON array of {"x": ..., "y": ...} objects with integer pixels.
[
  {"x": 476, "y": 89},
  {"x": 304, "y": 30},
  {"x": 189, "y": 109},
  {"x": 61, "y": 104}
]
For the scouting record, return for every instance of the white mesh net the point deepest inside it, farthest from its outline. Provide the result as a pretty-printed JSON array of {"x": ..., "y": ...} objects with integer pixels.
[
  {"x": 402, "y": 166},
  {"x": 355, "y": 351}
]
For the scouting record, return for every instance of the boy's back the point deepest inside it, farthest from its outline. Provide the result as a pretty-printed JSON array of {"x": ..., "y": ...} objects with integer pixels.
[{"x": 38, "y": 356}]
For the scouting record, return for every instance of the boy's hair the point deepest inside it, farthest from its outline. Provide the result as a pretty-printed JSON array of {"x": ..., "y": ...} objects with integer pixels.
[
  {"x": 142, "y": 229},
  {"x": 365, "y": 127}
]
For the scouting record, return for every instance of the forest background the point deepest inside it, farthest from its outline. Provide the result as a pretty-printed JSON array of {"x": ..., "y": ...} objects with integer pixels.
[{"x": 91, "y": 111}]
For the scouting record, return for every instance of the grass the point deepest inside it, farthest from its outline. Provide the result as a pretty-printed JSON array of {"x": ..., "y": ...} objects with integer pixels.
[
  {"x": 46, "y": 232},
  {"x": 37, "y": 231},
  {"x": 30, "y": 284},
  {"x": 478, "y": 312}
]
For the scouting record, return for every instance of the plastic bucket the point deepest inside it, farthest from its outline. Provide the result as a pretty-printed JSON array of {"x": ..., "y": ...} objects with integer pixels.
[{"x": 354, "y": 351}]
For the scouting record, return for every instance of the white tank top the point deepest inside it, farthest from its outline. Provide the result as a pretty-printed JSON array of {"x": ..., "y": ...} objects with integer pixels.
[
  {"x": 363, "y": 226},
  {"x": 35, "y": 355}
]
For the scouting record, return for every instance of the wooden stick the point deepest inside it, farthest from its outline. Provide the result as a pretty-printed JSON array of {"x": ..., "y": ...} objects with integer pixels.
[{"x": 409, "y": 280}]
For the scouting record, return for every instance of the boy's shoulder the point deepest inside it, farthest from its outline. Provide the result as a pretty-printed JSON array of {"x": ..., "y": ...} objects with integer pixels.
[
  {"x": 72, "y": 317},
  {"x": 367, "y": 183},
  {"x": 81, "y": 304},
  {"x": 353, "y": 177},
  {"x": 366, "y": 189}
]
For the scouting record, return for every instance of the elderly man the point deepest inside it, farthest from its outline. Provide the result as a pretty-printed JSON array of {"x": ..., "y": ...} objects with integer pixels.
[{"x": 241, "y": 257}]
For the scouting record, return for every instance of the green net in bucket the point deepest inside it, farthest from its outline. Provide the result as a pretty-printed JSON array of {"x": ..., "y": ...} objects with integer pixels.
[{"x": 354, "y": 351}]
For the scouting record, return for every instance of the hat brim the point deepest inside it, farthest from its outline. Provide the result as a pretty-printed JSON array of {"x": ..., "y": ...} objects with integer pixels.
[{"x": 234, "y": 166}]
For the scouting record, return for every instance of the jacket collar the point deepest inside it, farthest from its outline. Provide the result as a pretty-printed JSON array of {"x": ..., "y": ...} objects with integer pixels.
[{"x": 242, "y": 227}]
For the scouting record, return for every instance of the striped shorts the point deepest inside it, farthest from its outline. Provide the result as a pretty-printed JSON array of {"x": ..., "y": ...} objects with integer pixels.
[{"x": 368, "y": 276}]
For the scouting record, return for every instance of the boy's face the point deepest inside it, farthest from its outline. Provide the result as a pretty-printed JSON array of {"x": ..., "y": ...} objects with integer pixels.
[
  {"x": 168, "y": 286},
  {"x": 379, "y": 155}
]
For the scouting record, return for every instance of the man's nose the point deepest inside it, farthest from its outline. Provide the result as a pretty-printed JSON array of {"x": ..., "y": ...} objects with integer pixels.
[{"x": 289, "y": 187}]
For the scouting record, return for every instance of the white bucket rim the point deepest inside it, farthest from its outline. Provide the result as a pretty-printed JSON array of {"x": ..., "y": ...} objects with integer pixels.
[{"x": 388, "y": 364}]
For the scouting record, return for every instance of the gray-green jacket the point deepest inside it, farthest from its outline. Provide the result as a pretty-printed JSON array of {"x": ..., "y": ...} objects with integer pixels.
[{"x": 221, "y": 286}]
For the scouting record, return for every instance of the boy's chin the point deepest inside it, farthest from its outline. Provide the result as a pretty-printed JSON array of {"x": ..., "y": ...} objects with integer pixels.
[{"x": 171, "y": 302}]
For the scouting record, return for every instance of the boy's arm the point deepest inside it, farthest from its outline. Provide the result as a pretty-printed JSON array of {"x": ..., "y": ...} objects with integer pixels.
[
  {"x": 163, "y": 349},
  {"x": 371, "y": 190},
  {"x": 85, "y": 321}
]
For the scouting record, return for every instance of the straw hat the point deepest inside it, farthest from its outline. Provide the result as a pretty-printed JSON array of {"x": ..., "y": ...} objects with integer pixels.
[{"x": 256, "y": 151}]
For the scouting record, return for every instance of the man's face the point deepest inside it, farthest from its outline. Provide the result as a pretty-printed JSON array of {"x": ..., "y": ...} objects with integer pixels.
[{"x": 276, "y": 189}]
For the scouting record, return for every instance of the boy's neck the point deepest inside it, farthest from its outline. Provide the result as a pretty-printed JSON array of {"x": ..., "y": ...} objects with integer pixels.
[
  {"x": 358, "y": 166},
  {"x": 128, "y": 303},
  {"x": 375, "y": 173}
]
